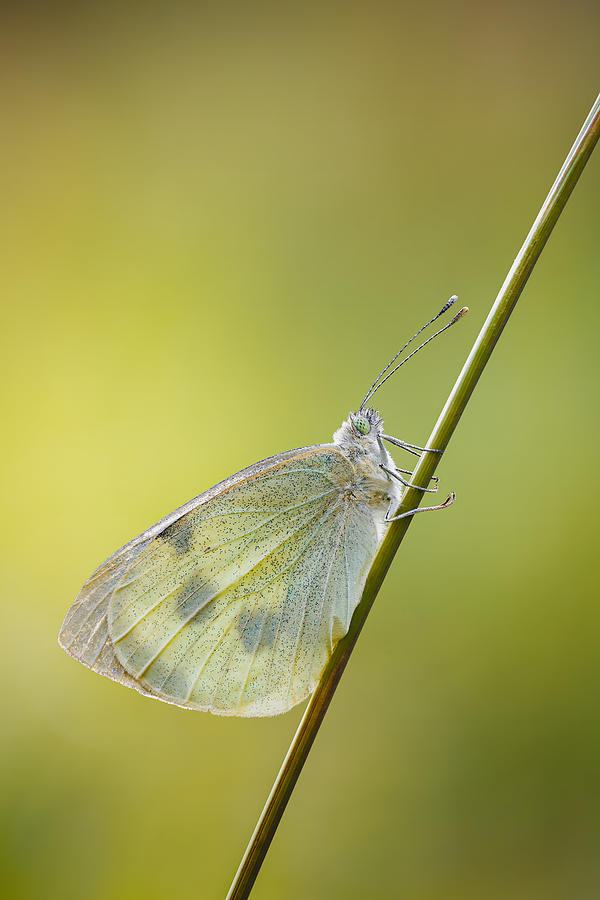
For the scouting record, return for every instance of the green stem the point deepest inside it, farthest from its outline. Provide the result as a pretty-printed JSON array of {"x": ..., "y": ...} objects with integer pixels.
[{"x": 442, "y": 432}]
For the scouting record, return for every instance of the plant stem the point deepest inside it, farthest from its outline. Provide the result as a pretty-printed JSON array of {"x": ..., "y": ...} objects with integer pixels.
[{"x": 442, "y": 432}]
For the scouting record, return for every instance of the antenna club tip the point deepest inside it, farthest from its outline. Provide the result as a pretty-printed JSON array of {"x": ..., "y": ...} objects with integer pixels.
[
  {"x": 446, "y": 306},
  {"x": 462, "y": 312}
]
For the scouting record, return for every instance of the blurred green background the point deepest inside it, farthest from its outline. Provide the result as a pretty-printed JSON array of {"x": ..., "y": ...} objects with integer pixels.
[{"x": 219, "y": 222}]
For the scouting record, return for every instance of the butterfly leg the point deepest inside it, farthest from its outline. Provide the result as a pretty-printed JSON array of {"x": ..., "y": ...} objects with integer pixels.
[
  {"x": 412, "y": 512},
  {"x": 408, "y": 472},
  {"x": 410, "y": 448},
  {"x": 403, "y": 481}
]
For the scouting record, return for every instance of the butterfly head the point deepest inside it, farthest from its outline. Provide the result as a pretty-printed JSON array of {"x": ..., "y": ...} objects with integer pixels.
[
  {"x": 361, "y": 428},
  {"x": 366, "y": 422}
]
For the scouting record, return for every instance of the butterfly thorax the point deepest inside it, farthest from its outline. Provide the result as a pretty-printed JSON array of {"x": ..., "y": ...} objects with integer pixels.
[{"x": 367, "y": 454}]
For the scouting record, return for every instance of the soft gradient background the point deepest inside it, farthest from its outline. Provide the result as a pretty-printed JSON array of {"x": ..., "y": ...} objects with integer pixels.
[{"x": 218, "y": 223}]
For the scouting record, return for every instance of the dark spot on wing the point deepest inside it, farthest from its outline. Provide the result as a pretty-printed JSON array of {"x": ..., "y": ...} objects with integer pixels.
[
  {"x": 249, "y": 632},
  {"x": 257, "y": 628},
  {"x": 270, "y": 629},
  {"x": 178, "y": 536},
  {"x": 195, "y": 598},
  {"x": 191, "y": 597}
]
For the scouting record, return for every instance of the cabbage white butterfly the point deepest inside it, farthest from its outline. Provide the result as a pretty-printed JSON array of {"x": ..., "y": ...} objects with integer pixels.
[{"x": 234, "y": 602}]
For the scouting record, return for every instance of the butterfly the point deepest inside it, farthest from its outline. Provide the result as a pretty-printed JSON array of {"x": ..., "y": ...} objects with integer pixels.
[{"x": 234, "y": 602}]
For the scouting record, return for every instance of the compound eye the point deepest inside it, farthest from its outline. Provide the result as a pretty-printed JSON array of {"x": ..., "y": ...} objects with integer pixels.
[{"x": 362, "y": 424}]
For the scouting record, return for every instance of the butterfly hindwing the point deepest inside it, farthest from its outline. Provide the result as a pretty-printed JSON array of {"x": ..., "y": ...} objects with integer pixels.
[
  {"x": 235, "y": 606},
  {"x": 84, "y": 632}
]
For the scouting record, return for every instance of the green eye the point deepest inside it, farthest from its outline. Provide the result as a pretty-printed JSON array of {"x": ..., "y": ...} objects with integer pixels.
[{"x": 362, "y": 425}]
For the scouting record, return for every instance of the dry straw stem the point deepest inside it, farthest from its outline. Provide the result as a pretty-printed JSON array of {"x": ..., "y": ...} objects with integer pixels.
[{"x": 442, "y": 432}]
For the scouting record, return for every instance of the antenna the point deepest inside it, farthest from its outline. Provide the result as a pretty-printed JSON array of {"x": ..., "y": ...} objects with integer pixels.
[
  {"x": 446, "y": 306},
  {"x": 377, "y": 383}
]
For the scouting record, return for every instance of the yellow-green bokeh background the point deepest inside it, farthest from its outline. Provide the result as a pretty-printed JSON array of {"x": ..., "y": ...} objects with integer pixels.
[{"x": 217, "y": 224}]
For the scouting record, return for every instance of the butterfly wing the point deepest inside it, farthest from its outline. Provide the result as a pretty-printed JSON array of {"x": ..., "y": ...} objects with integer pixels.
[
  {"x": 84, "y": 632},
  {"x": 235, "y": 604}
]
